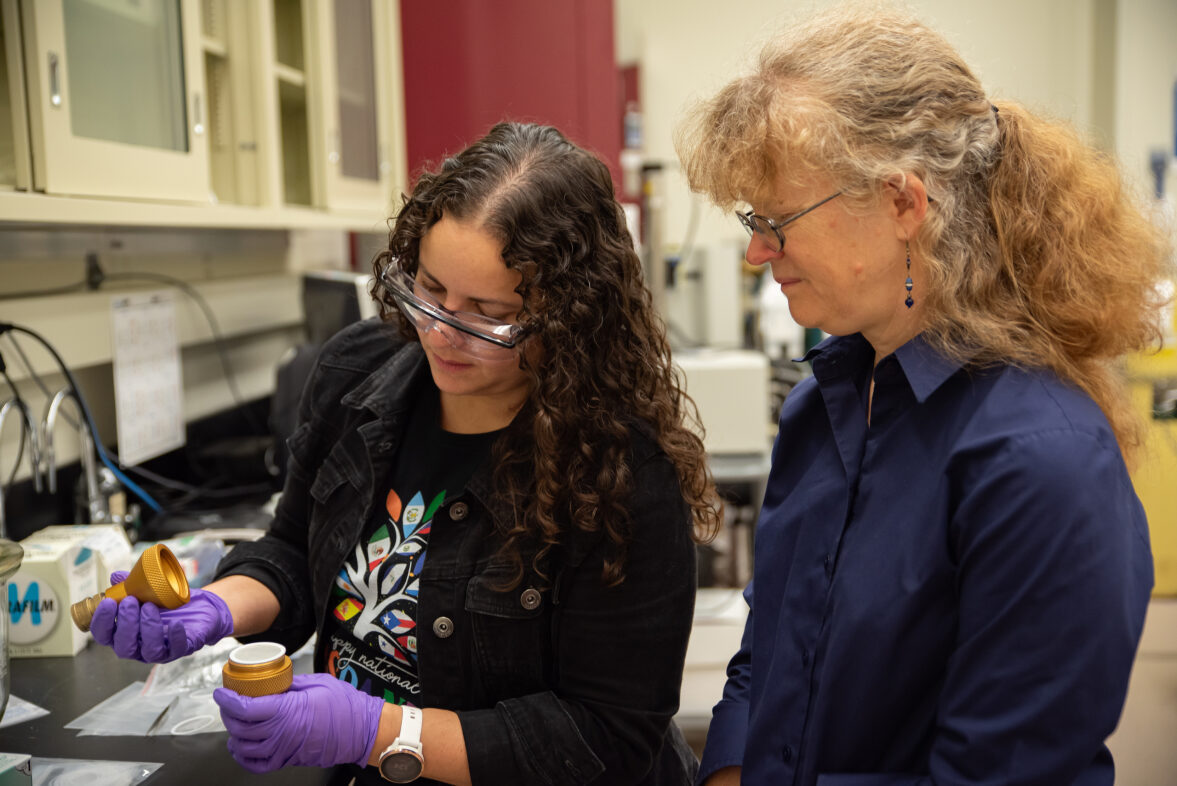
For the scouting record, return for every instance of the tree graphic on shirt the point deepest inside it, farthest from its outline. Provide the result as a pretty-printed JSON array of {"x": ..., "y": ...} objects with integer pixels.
[{"x": 380, "y": 580}]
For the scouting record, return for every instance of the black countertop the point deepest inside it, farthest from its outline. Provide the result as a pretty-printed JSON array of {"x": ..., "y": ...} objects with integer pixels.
[{"x": 68, "y": 687}]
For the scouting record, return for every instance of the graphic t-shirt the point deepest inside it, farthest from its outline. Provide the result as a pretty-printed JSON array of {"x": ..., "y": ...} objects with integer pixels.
[{"x": 370, "y": 635}]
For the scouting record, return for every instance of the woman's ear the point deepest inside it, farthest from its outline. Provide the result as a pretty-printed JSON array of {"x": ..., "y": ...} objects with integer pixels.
[{"x": 907, "y": 201}]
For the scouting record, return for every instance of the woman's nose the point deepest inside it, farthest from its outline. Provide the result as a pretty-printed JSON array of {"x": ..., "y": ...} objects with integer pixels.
[
  {"x": 445, "y": 334},
  {"x": 759, "y": 251}
]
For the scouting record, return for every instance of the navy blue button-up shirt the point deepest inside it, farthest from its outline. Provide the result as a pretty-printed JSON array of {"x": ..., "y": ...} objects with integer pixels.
[{"x": 951, "y": 595}]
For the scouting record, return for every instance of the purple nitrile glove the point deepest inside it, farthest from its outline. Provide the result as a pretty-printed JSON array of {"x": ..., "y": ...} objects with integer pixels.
[
  {"x": 147, "y": 633},
  {"x": 320, "y": 721}
]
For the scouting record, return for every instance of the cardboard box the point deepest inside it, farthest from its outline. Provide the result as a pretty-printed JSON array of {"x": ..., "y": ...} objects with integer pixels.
[
  {"x": 15, "y": 769},
  {"x": 53, "y": 575},
  {"x": 109, "y": 542}
]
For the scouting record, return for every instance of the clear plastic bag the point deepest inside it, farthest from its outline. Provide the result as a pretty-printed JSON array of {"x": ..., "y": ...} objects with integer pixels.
[
  {"x": 135, "y": 712},
  {"x": 199, "y": 671},
  {"x": 176, "y": 699},
  {"x": 194, "y": 712},
  {"x": 126, "y": 713},
  {"x": 199, "y": 554},
  {"x": 19, "y": 711},
  {"x": 90, "y": 772}
]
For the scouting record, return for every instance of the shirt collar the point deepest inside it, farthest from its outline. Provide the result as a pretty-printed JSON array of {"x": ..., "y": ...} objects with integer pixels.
[
  {"x": 925, "y": 367},
  {"x": 834, "y": 349}
]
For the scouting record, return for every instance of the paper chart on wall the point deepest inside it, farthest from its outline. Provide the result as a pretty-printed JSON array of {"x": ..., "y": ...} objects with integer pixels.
[{"x": 147, "y": 386}]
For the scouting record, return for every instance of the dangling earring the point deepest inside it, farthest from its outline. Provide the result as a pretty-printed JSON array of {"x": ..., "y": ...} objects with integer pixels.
[{"x": 907, "y": 284}]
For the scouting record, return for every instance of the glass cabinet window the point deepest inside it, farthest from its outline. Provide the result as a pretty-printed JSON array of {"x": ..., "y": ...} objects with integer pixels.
[
  {"x": 359, "y": 146},
  {"x": 7, "y": 117},
  {"x": 126, "y": 69}
]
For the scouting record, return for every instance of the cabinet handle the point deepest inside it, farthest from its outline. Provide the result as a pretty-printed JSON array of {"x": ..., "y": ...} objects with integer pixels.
[
  {"x": 197, "y": 115},
  {"x": 54, "y": 80}
]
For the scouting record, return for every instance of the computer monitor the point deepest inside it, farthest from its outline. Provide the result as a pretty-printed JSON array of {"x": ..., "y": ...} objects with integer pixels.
[{"x": 334, "y": 299}]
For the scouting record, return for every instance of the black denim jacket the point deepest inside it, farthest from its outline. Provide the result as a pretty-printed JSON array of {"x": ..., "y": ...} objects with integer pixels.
[{"x": 558, "y": 681}]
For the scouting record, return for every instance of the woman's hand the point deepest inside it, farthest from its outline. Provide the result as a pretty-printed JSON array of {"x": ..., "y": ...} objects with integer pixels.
[
  {"x": 320, "y": 721},
  {"x": 147, "y": 633}
]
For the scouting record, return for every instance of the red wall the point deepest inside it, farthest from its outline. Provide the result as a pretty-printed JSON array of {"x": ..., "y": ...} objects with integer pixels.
[{"x": 470, "y": 63}]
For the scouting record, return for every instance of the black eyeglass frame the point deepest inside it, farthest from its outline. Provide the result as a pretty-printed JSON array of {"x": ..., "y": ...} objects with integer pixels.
[{"x": 751, "y": 222}]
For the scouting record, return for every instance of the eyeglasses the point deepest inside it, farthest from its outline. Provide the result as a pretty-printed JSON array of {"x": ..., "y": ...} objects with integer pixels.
[
  {"x": 769, "y": 230},
  {"x": 477, "y": 335}
]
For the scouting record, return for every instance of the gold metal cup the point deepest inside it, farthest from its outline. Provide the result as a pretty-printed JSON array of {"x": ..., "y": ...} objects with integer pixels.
[
  {"x": 157, "y": 577},
  {"x": 258, "y": 669}
]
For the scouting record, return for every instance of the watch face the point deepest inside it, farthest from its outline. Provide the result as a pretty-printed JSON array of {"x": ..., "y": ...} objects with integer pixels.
[{"x": 400, "y": 767}]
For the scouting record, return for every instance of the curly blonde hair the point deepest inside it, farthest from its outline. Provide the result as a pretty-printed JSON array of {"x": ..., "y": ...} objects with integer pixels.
[{"x": 1035, "y": 252}]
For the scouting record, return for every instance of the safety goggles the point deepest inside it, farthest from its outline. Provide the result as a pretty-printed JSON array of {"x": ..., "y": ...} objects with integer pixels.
[{"x": 473, "y": 334}]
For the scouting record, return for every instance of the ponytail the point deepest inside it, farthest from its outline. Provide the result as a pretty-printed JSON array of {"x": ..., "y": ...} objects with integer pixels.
[{"x": 1081, "y": 259}]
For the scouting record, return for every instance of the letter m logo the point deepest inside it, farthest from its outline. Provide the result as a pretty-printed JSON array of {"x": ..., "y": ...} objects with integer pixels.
[{"x": 31, "y": 603}]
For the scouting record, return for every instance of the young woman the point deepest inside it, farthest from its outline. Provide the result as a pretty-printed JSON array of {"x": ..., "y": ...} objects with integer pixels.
[{"x": 491, "y": 509}]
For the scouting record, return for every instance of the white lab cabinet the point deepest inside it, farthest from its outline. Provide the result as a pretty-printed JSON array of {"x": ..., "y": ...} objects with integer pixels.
[
  {"x": 218, "y": 113},
  {"x": 356, "y": 38},
  {"x": 233, "y": 41},
  {"x": 290, "y": 90},
  {"x": 333, "y": 103},
  {"x": 15, "y": 162},
  {"x": 116, "y": 98}
]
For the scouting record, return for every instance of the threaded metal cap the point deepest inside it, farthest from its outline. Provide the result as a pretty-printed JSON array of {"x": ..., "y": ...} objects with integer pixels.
[{"x": 258, "y": 669}]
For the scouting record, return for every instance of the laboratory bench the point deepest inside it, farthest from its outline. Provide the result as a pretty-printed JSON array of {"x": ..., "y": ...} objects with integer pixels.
[{"x": 70, "y": 686}]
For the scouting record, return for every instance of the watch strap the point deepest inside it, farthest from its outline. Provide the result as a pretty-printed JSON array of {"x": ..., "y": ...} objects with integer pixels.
[
  {"x": 394, "y": 762},
  {"x": 410, "y": 733}
]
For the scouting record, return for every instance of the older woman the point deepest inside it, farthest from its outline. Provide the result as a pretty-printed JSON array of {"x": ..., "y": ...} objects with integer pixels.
[{"x": 952, "y": 568}]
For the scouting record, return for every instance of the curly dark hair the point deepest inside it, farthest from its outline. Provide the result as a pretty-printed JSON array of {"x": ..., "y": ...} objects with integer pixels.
[{"x": 597, "y": 354}]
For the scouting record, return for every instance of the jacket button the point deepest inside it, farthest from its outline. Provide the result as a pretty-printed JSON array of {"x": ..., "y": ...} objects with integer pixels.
[
  {"x": 443, "y": 627},
  {"x": 530, "y": 599},
  {"x": 787, "y": 754},
  {"x": 459, "y": 511}
]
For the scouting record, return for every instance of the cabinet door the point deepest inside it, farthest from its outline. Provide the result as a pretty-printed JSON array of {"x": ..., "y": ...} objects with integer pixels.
[
  {"x": 15, "y": 164},
  {"x": 116, "y": 98},
  {"x": 352, "y": 41},
  {"x": 236, "y": 48}
]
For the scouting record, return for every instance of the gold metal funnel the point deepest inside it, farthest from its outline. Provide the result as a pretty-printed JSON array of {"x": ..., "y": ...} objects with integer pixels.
[{"x": 157, "y": 577}]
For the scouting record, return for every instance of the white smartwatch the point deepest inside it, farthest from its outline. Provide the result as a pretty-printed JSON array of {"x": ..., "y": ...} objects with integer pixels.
[{"x": 403, "y": 760}]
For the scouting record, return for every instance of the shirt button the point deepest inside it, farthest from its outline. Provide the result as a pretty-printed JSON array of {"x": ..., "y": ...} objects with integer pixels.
[
  {"x": 443, "y": 627},
  {"x": 459, "y": 511},
  {"x": 787, "y": 754},
  {"x": 530, "y": 599}
]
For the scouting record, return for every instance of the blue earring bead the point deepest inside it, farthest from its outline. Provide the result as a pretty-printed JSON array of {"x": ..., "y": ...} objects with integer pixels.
[{"x": 907, "y": 284}]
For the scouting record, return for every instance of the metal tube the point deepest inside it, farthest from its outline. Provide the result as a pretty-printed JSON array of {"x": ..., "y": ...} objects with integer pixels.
[
  {"x": 85, "y": 451},
  {"x": 4, "y": 410}
]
